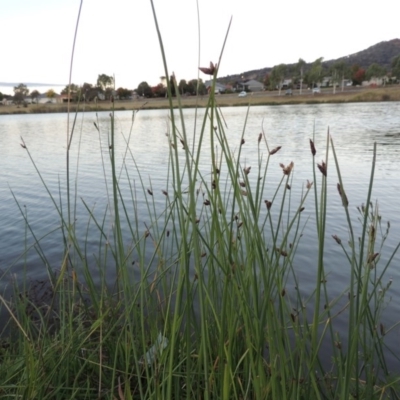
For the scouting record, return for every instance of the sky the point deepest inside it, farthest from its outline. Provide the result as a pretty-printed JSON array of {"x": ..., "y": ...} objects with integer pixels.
[{"x": 119, "y": 37}]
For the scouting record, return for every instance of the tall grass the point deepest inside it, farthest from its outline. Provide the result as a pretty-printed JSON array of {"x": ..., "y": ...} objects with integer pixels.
[{"x": 211, "y": 315}]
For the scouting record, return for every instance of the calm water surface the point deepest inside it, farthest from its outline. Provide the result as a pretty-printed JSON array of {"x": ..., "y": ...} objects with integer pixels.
[{"x": 354, "y": 128}]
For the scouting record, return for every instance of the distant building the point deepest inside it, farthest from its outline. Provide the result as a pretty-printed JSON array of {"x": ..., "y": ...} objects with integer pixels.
[
  {"x": 250, "y": 85},
  {"x": 219, "y": 87}
]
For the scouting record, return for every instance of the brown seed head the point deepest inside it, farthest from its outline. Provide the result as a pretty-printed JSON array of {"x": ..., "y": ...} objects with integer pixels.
[
  {"x": 322, "y": 168},
  {"x": 209, "y": 71},
  {"x": 312, "y": 147},
  {"x": 275, "y": 150},
  {"x": 337, "y": 239},
  {"x": 268, "y": 204},
  {"x": 288, "y": 187},
  {"x": 246, "y": 170},
  {"x": 345, "y": 202},
  {"x": 165, "y": 193},
  {"x": 309, "y": 184},
  {"x": 242, "y": 142},
  {"x": 259, "y": 137},
  {"x": 206, "y": 202},
  {"x": 288, "y": 169},
  {"x": 242, "y": 184},
  {"x": 149, "y": 192},
  {"x": 281, "y": 252}
]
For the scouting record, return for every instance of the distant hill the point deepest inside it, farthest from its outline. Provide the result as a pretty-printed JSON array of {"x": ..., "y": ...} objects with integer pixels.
[{"x": 381, "y": 53}]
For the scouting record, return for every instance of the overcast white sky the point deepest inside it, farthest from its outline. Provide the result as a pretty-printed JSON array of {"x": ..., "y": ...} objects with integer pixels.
[{"x": 118, "y": 37}]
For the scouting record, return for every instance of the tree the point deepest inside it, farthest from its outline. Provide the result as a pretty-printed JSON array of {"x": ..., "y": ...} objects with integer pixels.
[
  {"x": 50, "y": 94},
  {"x": 159, "y": 90},
  {"x": 35, "y": 95},
  {"x": 375, "y": 71},
  {"x": 197, "y": 86},
  {"x": 266, "y": 81},
  {"x": 72, "y": 88},
  {"x": 357, "y": 74},
  {"x": 89, "y": 93},
  {"x": 277, "y": 76},
  {"x": 339, "y": 71},
  {"x": 396, "y": 67},
  {"x": 300, "y": 72},
  {"x": 315, "y": 73},
  {"x": 183, "y": 86},
  {"x": 123, "y": 93},
  {"x": 144, "y": 90},
  {"x": 105, "y": 81},
  {"x": 20, "y": 92}
]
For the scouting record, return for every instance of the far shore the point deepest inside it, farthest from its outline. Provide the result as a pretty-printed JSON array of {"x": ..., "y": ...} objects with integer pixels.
[{"x": 348, "y": 95}]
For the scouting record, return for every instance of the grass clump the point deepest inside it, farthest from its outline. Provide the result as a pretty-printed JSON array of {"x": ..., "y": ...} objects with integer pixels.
[{"x": 207, "y": 312}]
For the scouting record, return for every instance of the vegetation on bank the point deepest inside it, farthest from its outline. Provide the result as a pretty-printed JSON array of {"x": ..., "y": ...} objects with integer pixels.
[
  {"x": 200, "y": 307},
  {"x": 391, "y": 93}
]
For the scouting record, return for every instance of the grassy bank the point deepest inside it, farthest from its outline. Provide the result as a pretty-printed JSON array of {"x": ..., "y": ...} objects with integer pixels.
[
  {"x": 349, "y": 95},
  {"x": 200, "y": 306}
]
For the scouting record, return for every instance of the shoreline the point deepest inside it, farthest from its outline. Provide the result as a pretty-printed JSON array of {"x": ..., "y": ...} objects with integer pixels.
[{"x": 349, "y": 95}]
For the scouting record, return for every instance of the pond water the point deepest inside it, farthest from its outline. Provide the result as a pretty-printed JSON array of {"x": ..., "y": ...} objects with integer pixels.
[{"x": 353, "y": 127}]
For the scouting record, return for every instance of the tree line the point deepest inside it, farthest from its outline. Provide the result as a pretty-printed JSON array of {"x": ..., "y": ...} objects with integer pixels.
[
  {"x": 312, "y": 75},
  {"x": 300, "y": 74}
]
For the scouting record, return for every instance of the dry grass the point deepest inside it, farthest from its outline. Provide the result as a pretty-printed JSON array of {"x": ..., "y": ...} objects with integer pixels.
[{"x": 391, "y": 93}]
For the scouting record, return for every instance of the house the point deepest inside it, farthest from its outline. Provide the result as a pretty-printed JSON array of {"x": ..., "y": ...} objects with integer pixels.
[
  {"x": 219, "y": 87},
  {"x": 250, "y": 85},
  {"x": 43, "y": 99}
]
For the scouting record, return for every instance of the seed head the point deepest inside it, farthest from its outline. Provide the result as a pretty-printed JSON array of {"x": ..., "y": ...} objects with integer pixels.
[
  {"x": 259, "y": 137},
  {"x": 312, "y": 147},
  {"x": 242, "y": 142},
  {"x": 345, "y": 202},
  {"x": 337, "y": 239},
  {"x": 275, "y": 150},
  {"x": 322, "y": 168},
  {"x": 149, "y": 192},
  {"x": 206, "y": 202},
  {"x": 268, "y": 204},
  {"x": 246, "y": 170},
  {"x": 209, "y": 71},
  {"x": 287, "y": 170}
]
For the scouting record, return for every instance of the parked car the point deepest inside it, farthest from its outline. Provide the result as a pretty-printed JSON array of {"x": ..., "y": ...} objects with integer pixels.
[
  {"x": 289, "y": 92},
  {"x": 242, "y": 94},
  {"x": 316, "y": 90}
]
